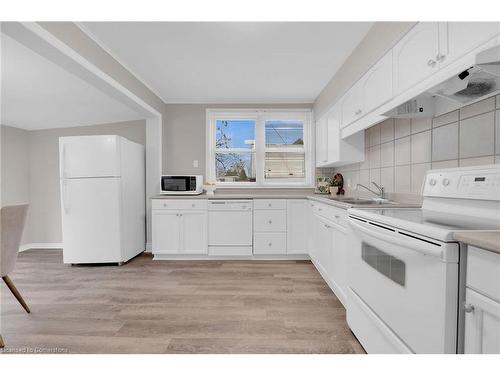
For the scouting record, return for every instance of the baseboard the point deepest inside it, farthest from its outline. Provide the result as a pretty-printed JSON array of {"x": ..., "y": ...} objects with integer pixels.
[
  {"x": 149, "y": 247},
  {"x": 229, "y": 257},
  {"x": 40, "y": 246}
]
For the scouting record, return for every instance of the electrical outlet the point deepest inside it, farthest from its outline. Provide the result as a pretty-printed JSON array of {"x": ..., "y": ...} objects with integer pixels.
[{"x": 195, "y": 163}]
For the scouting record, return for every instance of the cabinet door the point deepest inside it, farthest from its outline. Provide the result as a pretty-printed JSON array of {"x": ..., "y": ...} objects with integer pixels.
[
  {"x": 194, "y": 232},
  {"x": 376, "y": 84},
  {"x": 458, "y": 38},
  {"x": 351, "y": 107},
  {"x": 338, "y": 262},
  {"x": 296, "y": 226},
  {"x": 482, "y": 324},
  {"x": 333, "y": 142},
  {"x": 324, "y": 244},
  {"x": 415, "y": 56},
  {"x": 321, "y": 140},
  {"x": 166, "y": 236}
]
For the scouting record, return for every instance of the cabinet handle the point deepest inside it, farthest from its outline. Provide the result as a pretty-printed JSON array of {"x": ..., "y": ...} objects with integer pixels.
[
  {"x": 440, "y": 57},
  {"x": 193, "y": 205},
  {"x": 431, "y": 63},
  {"x": 269, "y": 205},
  {"x": 468, "y": 308},
  {"x": 270, "y": 221},
  {"x": 358, "y": 112},
  {"x": 164, "y": 205},
  {"x": 270, "y": 244}
]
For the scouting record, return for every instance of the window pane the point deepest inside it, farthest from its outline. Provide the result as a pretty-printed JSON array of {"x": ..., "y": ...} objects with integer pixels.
[
  {"x": 284, "y": 134},
  {"x": 285, "y": 165},
  {"x": 235, "y": 134},
  {"x": 235, "y": 167}
]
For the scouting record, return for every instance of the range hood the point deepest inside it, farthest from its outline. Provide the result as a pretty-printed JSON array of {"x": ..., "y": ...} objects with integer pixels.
[{"x": 481, "y": 79}]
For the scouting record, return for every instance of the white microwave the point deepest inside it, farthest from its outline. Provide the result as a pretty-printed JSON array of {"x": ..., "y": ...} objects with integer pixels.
[{"x": 182, "y": 184}]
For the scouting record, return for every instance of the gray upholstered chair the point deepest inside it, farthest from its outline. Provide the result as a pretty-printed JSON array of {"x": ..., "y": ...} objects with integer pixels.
[{"x": 12, "y": 224}]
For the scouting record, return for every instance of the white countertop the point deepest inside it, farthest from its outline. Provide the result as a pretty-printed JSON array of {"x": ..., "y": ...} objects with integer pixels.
[{"x": 323, "y": 198}]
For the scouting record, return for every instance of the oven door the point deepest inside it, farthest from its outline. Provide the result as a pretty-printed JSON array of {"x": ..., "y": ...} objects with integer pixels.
[{"x": 405, "y": 284}]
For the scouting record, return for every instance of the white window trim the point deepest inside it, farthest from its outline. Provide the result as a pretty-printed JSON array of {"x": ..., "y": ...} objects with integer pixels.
[{"x": 260, "y": 115}]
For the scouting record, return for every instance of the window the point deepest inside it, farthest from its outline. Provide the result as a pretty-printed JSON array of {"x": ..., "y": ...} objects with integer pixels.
[{"x": 259, "y": 148}]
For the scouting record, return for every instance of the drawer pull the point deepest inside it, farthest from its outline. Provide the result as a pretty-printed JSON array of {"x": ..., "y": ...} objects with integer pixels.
[
  {"x": 468, "y": 308},
  {"x": 270, "y": 244},
  {"x": 193, "y": 205},
  {"x": 269, "y": 205},
  {"x": 164, "y": 205},
  {"x": 270, "y": 221}
]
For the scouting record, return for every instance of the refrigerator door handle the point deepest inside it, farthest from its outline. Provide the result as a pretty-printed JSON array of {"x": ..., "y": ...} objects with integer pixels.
[
  {"x": 64, "y": 194},
  {"x": 63, "y": 166}
]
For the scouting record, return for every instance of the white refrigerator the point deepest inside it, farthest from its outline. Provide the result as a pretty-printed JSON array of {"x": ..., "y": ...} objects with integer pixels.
[{"x": 102, "y": 199}]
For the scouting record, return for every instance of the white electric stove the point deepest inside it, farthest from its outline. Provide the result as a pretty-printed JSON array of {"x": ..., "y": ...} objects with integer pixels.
[{"x": 407, "y": 280}]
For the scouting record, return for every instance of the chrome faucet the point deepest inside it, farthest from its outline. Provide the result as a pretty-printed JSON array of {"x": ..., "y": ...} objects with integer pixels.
[{"x": 381, "y": 190}]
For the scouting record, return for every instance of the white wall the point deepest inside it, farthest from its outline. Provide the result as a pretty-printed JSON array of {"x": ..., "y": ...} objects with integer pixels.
[{"x": 15, "y": 176}]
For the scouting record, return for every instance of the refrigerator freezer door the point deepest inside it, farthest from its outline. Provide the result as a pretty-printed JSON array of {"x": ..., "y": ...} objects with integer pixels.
[
  {"x": 91, "y": 220},
  {"x": 89, "y": 156}
]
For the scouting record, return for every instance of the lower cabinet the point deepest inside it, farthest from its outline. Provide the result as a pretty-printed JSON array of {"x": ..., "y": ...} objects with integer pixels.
[
  {"x": 179, "y": 232},
  {"x": 328, "y": 246},
  {"x": 482, "y": 302},
  {"x": 482, "y": 324},
  {"x": 270, "y": 227},
  {"x": 296, "y": 223}
]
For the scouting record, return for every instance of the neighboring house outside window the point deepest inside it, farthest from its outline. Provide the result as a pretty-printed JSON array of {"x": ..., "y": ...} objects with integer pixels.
[{"x": 259, "y": 148}]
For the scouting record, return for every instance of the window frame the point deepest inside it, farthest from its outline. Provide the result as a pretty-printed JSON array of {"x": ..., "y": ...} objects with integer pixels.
[{"x": 261, "y": 116}]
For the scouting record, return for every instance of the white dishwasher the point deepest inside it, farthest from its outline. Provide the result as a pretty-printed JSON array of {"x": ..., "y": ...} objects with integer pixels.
[{"x": 230, "y": 227}]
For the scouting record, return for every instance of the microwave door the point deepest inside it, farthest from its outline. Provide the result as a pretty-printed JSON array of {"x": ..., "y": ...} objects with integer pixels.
[{"x": 174, "y": 184}]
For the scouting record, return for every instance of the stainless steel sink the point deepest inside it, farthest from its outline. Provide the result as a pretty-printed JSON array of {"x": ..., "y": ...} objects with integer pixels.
[{"x": 362, "y": 201}]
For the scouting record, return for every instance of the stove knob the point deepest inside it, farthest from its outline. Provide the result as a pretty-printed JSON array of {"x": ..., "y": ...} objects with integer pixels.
[
  {"x": 432, "y": 181},
  {"x": 446, "y": 182}
]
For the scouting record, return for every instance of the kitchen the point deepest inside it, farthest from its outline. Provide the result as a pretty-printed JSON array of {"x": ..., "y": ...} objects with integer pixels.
[{"x": 358, "y": 214}]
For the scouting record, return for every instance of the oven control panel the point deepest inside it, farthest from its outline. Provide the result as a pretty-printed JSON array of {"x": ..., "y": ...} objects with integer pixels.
[{"x": 482, "y": 182}]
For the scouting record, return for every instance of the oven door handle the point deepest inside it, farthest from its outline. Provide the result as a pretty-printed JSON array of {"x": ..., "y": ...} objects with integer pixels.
[{"x": 411, "y": 244}]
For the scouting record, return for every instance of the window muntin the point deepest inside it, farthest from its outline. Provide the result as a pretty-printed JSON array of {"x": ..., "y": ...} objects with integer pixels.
[{"x": 259, "y": 148}]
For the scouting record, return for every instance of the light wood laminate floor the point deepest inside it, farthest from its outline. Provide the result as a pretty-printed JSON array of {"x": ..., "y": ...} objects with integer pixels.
[{"x": 151, "y": 306}]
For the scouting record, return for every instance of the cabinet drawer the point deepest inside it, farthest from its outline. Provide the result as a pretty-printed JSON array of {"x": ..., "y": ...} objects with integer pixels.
[
  {"x": 269, "y": 204},
  {"x": 334, "y": 214},
  {"x": 269, "y": 243},
  {"x": 269, "y": 220},
  {"x": 179, "y": 204},
  {"x": 483, "y": 272}
]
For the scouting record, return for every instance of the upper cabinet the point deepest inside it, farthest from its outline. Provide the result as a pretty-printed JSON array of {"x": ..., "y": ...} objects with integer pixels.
[
  {"x": 415, "y": 57},
  {"x": 405, "y": 72},
  {"x": 376, "y": 84},
  {"x": 351, "y": 107},
  {"x": 321, "y": 142},
  {"x": 373, "y": 89},
  {"x": 331, "y": 148},
  {"x": 458, "y": 38}
]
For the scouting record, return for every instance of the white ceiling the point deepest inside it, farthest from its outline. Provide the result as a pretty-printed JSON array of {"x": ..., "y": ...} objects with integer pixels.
[
  {"x": 257, "y": 62},
  {"x": 38, "y": 94}
]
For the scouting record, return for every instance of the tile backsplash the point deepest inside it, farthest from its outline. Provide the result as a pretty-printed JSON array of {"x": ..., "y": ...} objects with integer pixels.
[{"x": 398, "y": 152}]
